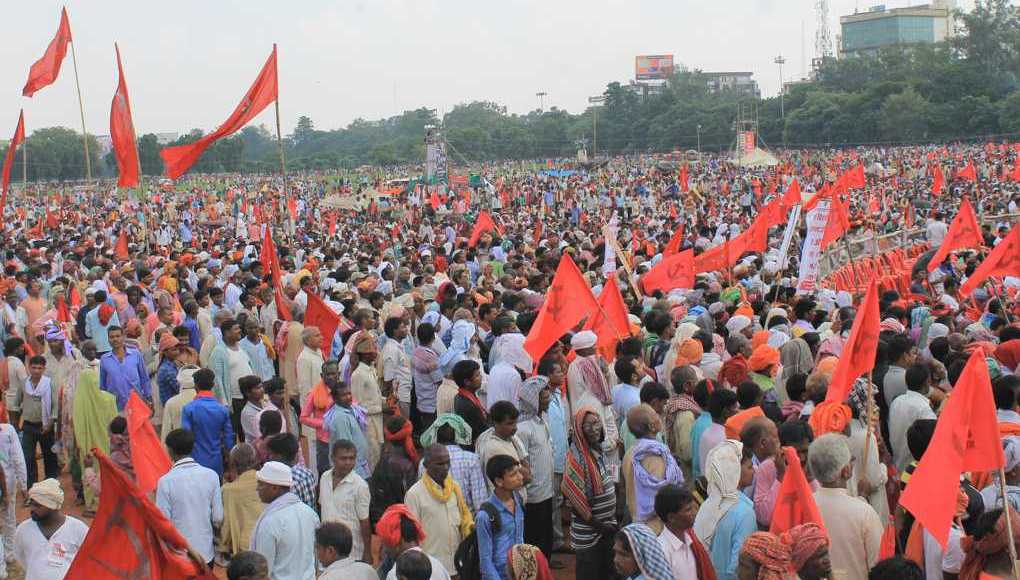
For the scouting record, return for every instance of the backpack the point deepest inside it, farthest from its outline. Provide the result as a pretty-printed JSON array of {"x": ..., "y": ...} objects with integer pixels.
[{"x": 467, "y": 559}]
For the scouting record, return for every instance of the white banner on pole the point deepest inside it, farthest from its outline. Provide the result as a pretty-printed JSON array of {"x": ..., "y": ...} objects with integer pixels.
[
  {"x": 609, "y": 233},
  {"x": 811, "y": 252},
  {"x": 791, "y": 226}
]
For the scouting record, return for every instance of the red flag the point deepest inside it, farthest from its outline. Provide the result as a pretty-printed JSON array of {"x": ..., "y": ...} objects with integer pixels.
[
  {"x": 838, "y": 222},
  {"x": 147, "y": 453},
  {"x": 966, "y": 439},
  {"x": 122, "y": 131},
  {"x": 321, "y": 316},
  {"x": 684, "y": 175},
  {"x": 269, "y": 257},
  {"x": 434, "y": 199},
  {"x": 264, "y": 91},
  {"x": 609, "y": 323},
  {"x": 673, "y": 271},
  {"x": 963, "y": 233},
  {"x": 539, "y": 226},
  {"x": 795, "y": 504},
  {"x": 887, "y": 548},
  {"x": 483, "y": 224},
  {"x": 75, "y": 297},
  {"x": 63, "y": 312},
  {"x": 568, "y": 300},
  {"x": 859, "y": 353},
  {"x": 969, "y": 172},
  {"x": 45, "y": 70},
  {"x": 131, "y": 537},
  {"x": 674, "y": 243},
  {"x": 332, "y": 224},
  {"x": 120, "y": 251},
  {"x": 18, "y": 139},
  {"x": 282, "y": 305},
  {"x": 792, "y": 196},
  {"x": 1004, "y": 260},
  {"x": 713, "y": 259},
  {"x": 856, "y": 178},
  {"x": 938, "y": 182}
]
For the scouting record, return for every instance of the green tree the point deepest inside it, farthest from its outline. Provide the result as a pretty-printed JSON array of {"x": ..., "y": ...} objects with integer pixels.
[{"x": 904, "y": 117}]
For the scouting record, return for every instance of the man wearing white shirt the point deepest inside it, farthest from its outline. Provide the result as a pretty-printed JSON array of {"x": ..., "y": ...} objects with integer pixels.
[
  {"x": 47, "y": 543},
  {"x": 189, "y": 495},
  {"x": 936, "y": 230},
  {"x": 333, "y": 549},
  {"x": 676, "y": 508},
  {"x": 906, "y": 409}
]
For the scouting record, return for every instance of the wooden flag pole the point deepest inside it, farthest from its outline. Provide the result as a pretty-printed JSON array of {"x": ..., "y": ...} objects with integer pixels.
[
  {"x": 81, "y": 110},
  {"x": 1009, "y": 527}
]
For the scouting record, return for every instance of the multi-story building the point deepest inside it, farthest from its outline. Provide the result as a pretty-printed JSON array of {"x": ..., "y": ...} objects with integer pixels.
[
  {"x": 741, "y": 82},
  {"x": 879, "y": 27}
]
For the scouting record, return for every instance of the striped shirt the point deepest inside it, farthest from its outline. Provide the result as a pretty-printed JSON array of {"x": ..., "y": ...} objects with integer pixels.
[{"x": 603, "y": 508}]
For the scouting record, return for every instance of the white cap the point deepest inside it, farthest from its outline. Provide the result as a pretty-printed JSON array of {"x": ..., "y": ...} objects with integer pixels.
[
  {"x": 737, "y": 323},
  {"x": 275, "y": 473},
  {"x": 583, "y": 339}
]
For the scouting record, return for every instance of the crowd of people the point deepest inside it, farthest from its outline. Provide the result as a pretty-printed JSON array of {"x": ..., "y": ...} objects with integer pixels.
[{"x": 418, "y": 436}]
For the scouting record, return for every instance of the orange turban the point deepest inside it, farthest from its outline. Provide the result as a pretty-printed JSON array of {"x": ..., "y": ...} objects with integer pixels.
[
  {"x": 761, "y": 337},
  {"x": 744, "y": 310},
  {"x": 830, "y": 417},
  {"x": 690, "y": 352},
  {"x": 827, "y": 365},
  {"x": 763, "y": 357}
]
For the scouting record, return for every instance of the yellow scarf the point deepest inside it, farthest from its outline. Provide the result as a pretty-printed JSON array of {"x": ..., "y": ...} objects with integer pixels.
[{"x": 467, "y": 521}]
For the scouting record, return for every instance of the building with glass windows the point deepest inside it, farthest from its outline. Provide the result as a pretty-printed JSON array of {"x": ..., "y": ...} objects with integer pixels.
[{"x": 879, "y": 27}]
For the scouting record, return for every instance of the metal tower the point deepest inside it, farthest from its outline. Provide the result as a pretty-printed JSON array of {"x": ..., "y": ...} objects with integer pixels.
[{"x": 823, "y": 35}]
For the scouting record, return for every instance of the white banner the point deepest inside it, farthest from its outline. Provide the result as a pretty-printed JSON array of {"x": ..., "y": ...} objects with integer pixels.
[
  {"x": 791, "y": 226},
  {"x": 609, "y": 233},
  {"x": 811, "y": 252}
]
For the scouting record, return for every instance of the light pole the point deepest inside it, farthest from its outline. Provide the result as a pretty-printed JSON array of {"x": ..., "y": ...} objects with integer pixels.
[
  {"x": 699, "y": 139},
  {"x": 596, "y": 101},
  {"x": 541, "y": 100},
  {"x": 781, "y": 61}
]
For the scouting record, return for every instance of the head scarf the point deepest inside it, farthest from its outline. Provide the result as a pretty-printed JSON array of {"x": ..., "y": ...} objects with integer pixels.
[
  {"x": 106, "y": 312},
  {"x": 403, "y": 436},
  {"x": 1008, "y": 354},
  {"x": 529, "y": 397},
  {"x": 858, "y": 397},
  {"x": 647, "y": 551},
  {"x": 760, "y": 338},
  {"x": 461, "y": 430},
  {"x": 771, "y": 554},
  {"x": 528, "y": 563},
  {"x": 829, "y": 417},
  {"x": 167, "y": 341},
  {"x": 509, "y": 348},
  {"x": 804, "y": 541},
  {"x": 462, "y": 331},
  {"x": 690, "y": 352},
  {"x": 762, "y": 358},
  {"x": 47, "y": 493},
  {"x": 594, "y": 379},
  {"x": 722, "y": 470},
  {"x": 893, "y": 325},
  {"x": 827, "y": 365},
  {"x": 93, "y": 410},
  {"x": 581, "y": 477},
  {"x": 388, "y": 527},
  {"x": 978, "y": 552}
]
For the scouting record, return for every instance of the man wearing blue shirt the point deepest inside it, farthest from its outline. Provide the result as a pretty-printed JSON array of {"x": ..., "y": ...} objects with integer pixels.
[
  {"x": 209, "y": 420},
  {"x": 122, "y": 370},
  {"x": 99, "y": 321},
  {"x": 493, "y": 545},
  {"x": 189, "y": 495},
  {"x": 625, "y": 394}
]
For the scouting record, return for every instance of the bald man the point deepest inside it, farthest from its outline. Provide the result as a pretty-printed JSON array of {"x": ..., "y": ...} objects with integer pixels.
[
  {"x": 442, "y": 520},
  {"x": 647, "y": 466}
]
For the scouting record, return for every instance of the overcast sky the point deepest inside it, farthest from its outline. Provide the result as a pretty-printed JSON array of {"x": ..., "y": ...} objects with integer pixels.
[{"x": 188, "y": 62}]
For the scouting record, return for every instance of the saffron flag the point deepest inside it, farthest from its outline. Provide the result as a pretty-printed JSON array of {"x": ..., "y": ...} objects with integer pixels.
[
  {"x": 609, "y": 323},
  {"x": 887, "y": 549},
  {"x": 18, "y": 139},
  {"x": 147, "y": 453},
  {"x": 969, "y": 172},
  {"x": 45, "y": 70},
  {"x": 120, "y": 250},
  {"x": 131, "y": 537},
  {"x": 792, "y": 196},
  {"x": 483, "y": 224},
  {"x": 1004, "y": 260},
  {"x": 321, "y": 316},
  {"x": 568, "y": 300},
  {"x": 684, "y": 177},
  {"x": 262, "y": 92},
  {"x": 859, "y": 353},
  {"x": 674, "y": 271},
  {"x": 963, "y": 233},
  {"x": 675, "y": 242},
  {"x": 795, "y": 503},
  {"x": 838, "y": 223},
  {"x": 966, "y": 439},
  {"x": 122, "y": 131},
  {"x": 938, "y": 182}
]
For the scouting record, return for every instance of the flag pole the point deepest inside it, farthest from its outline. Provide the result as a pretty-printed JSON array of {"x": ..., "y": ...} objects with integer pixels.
[
  {"x": 81, "y": 110},
  {"x": 1005, "y": 510},
  {"x": 279, "y": 139}
]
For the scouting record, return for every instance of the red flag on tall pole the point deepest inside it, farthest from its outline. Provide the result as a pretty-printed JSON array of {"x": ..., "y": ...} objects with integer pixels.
[
  {"x": 966, "y": 439},
  {"x": 938, "y": 182},
  {"x": 969, "y": 172},
  {"x": 859, "y": 353},
  {"x": 262, "y": 92},
  {"x": 609, "y": 323},
  {"x": 122, "y": 131},
  {"x": 792, "y": 196},
  {"x": 483, "y": 224},
  {"x": 18, "y": 139},
  {"x": 675, "y": 242},
  {"x": 148, "y": 456},
  {"x": 131, "y": 537},
  {"x": 568, "y": 300},
  {"x": 321, "y": 316},
  {"x": 963, "y": 233},
  {"x": 1004, "y": 260},
  {"x": 45, "y": 70},
  {"x": 838, "y": 222}
]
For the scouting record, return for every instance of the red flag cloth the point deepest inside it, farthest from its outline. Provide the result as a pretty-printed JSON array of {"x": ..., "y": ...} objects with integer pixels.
[
  {"x": 966, "y": 439},
  {"x": 282, "y": 306},
  {"x": 887, "y": 548},
  {"x": 434, "y": 198},
  {"x": 147, "y": 453},
  {"x": 859, "y": 353},
  {"x": 63, "y": 312},
  {"x": 674, "y": 271},
  {"x": 938, "y": 182},
  {"x": 610, "y": 323},
  {"x": 120, "y": 251},
  {"x": 684, "y": 176},
  {"x": 856, "y": 177},
  {"x": 483, "y": 224},
  {"x": 838, "y": 223},
  {"x": 292, "y": 208},
  {"x": 969, "y": 172},
  {"x": 18, "y": 139},
  {"x": 131, "y": 537},
  {"x": 122, "y": 131},
  {"x": 321, "y": 316},
  {"x": 675, "y": 242},
  {"x": 1004, "y": 260},
  {"x": 568, "y": 300},
  {"x": 45, "y": 70},
  {"x": 795, "y": 503},
  {"x": 713, "y": 259},
  {"x": 264, "y": 91},
  {"x": 792, "y": 196},
  {"x": 963, "y": 233},
  {"x": 269, "y": 256}
]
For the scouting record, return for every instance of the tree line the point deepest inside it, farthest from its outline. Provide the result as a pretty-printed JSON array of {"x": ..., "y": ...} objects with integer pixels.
[{"x": 966, "y": 88}]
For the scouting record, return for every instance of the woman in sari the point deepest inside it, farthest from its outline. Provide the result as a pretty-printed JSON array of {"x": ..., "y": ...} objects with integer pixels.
[
  {"x": 93, "y": 411},
  {"x": 637, "y": 554}
]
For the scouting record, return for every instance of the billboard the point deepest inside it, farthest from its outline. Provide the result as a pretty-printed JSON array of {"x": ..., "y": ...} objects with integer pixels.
[{"x": 649, "y": 67}]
